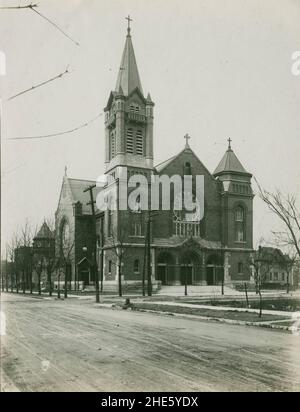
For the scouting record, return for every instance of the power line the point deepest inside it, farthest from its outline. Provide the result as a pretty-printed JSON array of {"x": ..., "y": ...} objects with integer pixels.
[
  {"x": 56, "y": 26},
  {"x": 58, "y": 133},
  {"x": 28, "y": 6},
  {"x": 59, "y": 76},
  {"x": 33, "y": 8}
]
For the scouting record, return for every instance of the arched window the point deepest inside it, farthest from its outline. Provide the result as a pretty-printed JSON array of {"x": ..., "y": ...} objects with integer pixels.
[
  {"x": 129, "y": 141},
  {"x": 136, "y": 224},
  {"x": 136, "y": 266},
  {"x": 187, "y": 168},
  {"x": 240, "y": 268},
  {"x": 139, "y": 143},
  {"x": 110, "y": 222},
  {"x": 239, "y": 217}
]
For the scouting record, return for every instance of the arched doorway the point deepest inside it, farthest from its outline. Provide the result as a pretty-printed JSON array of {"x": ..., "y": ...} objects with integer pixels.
[
  {"x": 84, "y": 272},
  {"x": 214, "y": 269},
  {"x": 165, "y": 268},
  {"x": 190, "y": 268}
]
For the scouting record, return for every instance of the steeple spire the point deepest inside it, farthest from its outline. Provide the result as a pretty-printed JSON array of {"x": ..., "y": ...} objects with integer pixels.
[{"x": 128, "y": 77}]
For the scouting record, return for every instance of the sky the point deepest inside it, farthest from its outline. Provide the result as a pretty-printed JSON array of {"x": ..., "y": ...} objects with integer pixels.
[{"x": 215, "y": 69}]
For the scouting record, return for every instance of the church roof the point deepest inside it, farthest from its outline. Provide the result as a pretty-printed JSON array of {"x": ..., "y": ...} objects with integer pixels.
[
  {"x": 128, "y": 77},
  {"x": 44, "y": 232},
  {"x": 164, "y": 164},
  {"x": 187, "y": 149},
  {"x": 77, "y": 187},
  {"x": 230, "y": 163}
]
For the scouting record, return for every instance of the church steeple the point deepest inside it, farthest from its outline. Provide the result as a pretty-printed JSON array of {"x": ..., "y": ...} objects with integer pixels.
[
  {"x": 128, "y": 117},
  {"x": 128, "y": 77}
]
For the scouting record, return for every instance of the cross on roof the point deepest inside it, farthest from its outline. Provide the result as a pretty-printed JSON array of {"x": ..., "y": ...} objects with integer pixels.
[
  {"x": 129, "y": 19},
  {"x": 187, "y": 137},
  {"x": 66, "y": 170},
  {"x": 229, "y": 143}
]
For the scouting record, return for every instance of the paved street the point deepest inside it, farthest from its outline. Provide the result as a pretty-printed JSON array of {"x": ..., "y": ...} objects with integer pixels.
[{"x": 72, "y": 345}]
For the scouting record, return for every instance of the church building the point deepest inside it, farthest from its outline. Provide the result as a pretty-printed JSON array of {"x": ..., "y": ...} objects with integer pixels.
[{"x": 209, "y": 251}]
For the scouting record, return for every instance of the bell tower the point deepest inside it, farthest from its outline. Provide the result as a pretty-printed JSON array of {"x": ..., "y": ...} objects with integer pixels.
[
  {"x": 236, "y": 200},
  {"x": 128, "y": 117}
]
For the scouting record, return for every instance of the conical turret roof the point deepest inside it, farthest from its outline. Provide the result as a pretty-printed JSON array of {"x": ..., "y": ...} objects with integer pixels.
[{"x": 230, "y": 164}]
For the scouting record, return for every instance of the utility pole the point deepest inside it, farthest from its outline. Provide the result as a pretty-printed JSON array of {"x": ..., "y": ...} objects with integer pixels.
[
  {"x": 185, "y": 280},
  {"x": 148, "y": 253},
  {"x": 144, "y": 267},
  {"x": 101, "y": 251},
  {"x": 92, "y": 203},
  {"x": 149, "y": 283}
]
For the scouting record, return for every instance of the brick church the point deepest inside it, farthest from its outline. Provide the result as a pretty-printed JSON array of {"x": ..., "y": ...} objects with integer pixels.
[{"x": 196, "y": 252}]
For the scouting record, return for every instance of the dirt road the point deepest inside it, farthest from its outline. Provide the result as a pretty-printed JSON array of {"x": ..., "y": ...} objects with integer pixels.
[{"x": 72, "y": 345}]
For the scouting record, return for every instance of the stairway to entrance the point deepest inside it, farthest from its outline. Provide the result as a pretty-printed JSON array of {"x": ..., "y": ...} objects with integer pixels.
[{"x": 197, "y": 290}]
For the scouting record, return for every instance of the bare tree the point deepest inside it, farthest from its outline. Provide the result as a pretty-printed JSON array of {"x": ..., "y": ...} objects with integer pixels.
[
  {"x": 119, "y": 253},
  {"x": 286, "y": 209},
  {"x": 49, "y": 255},
  {"x": 117, "y": 239},
  {"x": 11, "y": 247},
  {"x": 66, "y": 250},
  {"x": 289, "y": 264},
  {"x": 38, "y": 266},
  {"x": 259, "y": 265},
  {"x": 27, "y": 234},
  {"x": 15, "y": 261}
]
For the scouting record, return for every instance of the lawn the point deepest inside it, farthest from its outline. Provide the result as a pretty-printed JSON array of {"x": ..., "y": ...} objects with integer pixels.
[
  {"x": 234, "y": 315},
  {"x": 285, "y": 304}
]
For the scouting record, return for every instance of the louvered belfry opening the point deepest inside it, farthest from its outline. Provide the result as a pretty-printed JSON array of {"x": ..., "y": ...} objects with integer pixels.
[
  {"x": 129, "y": 140},
  {"x": 139, "y": 142}
]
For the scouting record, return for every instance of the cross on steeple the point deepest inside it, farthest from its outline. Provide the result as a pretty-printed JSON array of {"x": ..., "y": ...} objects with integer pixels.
[
  {"x": 187, "y": 137},
  {"x": 129, "y": 20},
  {"x": 66, "y": 170},
  {"x": 229, "y": 143}
]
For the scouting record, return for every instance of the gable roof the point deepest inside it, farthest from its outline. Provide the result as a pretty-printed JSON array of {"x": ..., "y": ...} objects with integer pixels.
[
  {"x": 161, "y": 166},
  {"x": 77, "y": 187},
  {"x": 271, "y": 254},
  {"x": 230, "y": 163},
  {"x": 164, "y": 164}
]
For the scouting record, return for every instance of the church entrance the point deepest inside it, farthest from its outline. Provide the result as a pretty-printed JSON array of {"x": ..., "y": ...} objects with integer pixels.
[
  {"x": 214, "y": 270},
  {"x": 165, "y": 269},
  {"x": 85, "y": 276},
  {"x": 210, "y": 275},
  {"x": 85, "y": 271},
  {"x": 190, "y": 269},
  {"x": 186, "y": 274},
  {"x": 162, "y": 273}
]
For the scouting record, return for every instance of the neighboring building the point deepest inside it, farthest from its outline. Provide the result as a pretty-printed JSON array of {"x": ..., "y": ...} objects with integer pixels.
[
  {"x": 201, "y": 252},
  {"x": 74, "y": 231},
  {"x": 43, "y": 256},
  {"x": 279, "y": 268}
]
